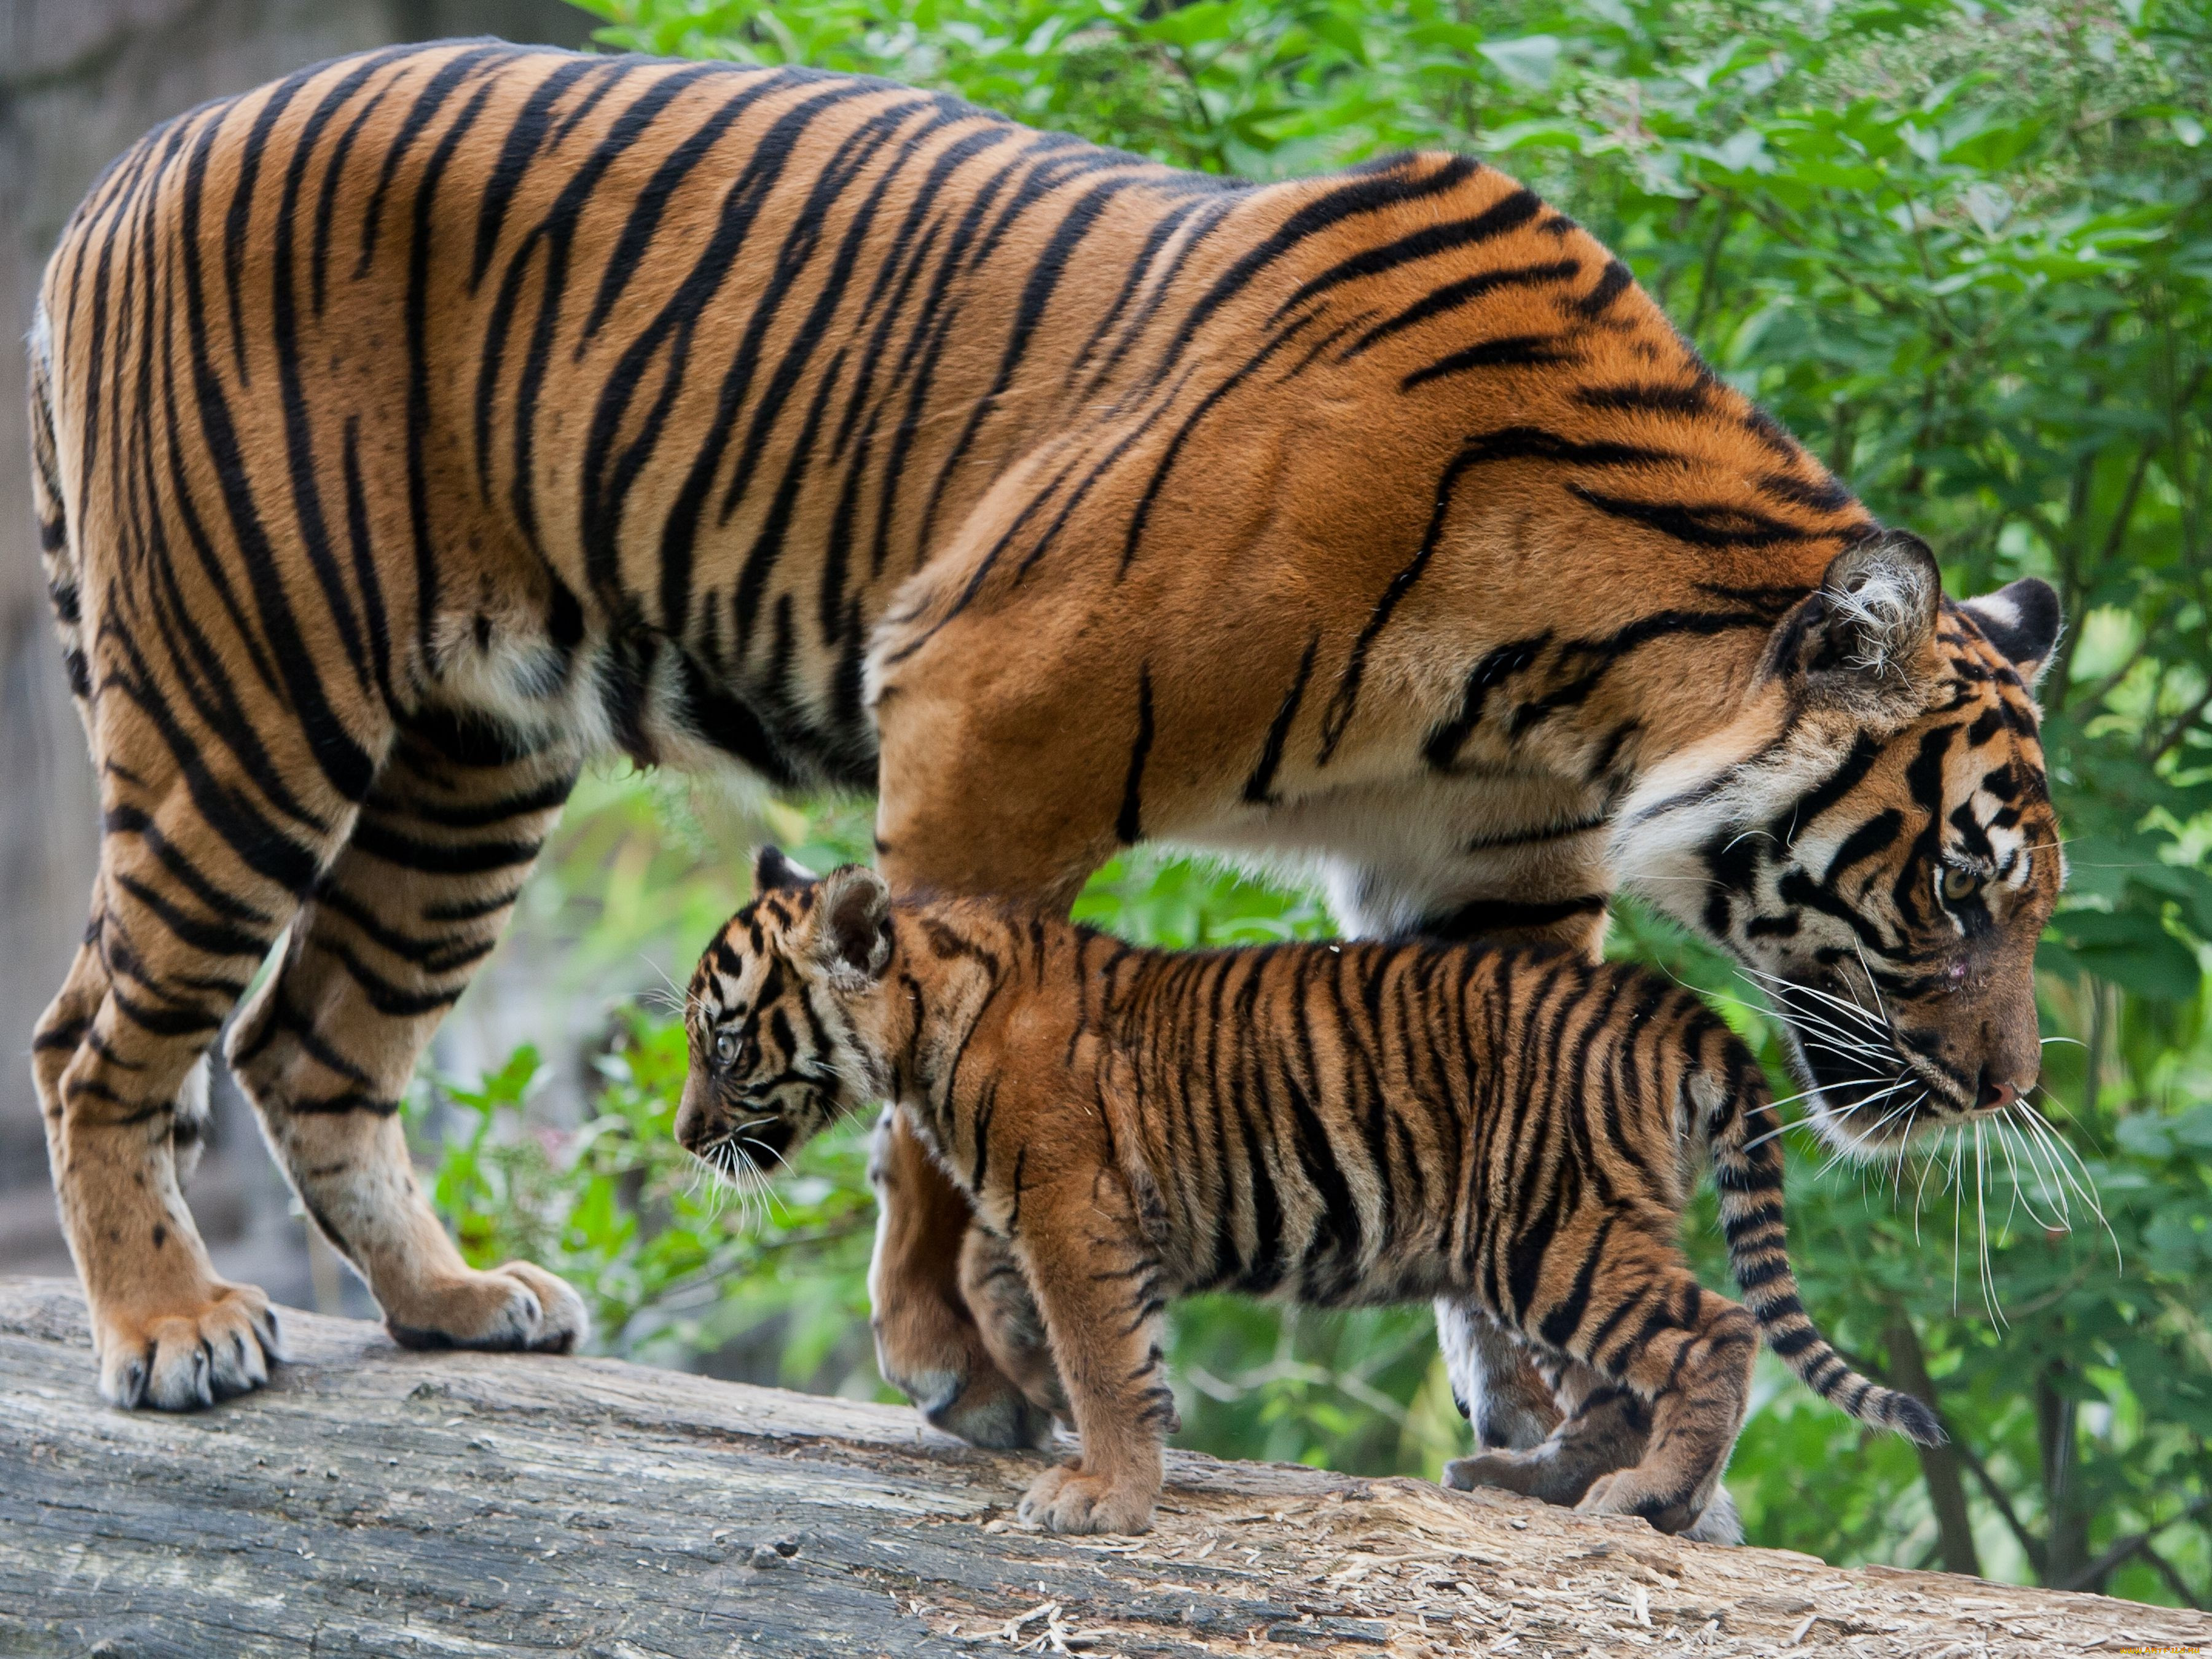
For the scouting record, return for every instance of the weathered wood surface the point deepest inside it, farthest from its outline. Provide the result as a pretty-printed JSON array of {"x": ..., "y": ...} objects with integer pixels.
[{"x": 378, "y": 1502}]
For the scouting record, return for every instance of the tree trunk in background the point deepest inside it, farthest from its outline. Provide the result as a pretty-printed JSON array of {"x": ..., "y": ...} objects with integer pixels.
[
  {"x": 2067, "y": 1549},
  {"x": 1939, "y": 1465},
  {"x": 82, "y": 80}
]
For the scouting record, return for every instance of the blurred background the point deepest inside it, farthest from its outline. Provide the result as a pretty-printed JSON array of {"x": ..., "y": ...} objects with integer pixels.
[{"x": 1963, "y": 250}]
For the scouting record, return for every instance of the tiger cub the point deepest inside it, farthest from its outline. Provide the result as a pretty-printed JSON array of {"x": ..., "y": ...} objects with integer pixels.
[{"x": 1514, "y": 1131}]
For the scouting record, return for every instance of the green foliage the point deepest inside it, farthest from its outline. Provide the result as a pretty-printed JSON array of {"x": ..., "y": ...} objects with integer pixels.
[
  {"x": 1963, "y": 250},
  {"x": 670, "y": 1265}
]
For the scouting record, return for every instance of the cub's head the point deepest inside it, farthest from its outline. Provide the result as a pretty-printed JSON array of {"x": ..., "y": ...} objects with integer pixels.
[
  {"x": 1874, "y": 839},
  {"x": 778, "y": 1050}
]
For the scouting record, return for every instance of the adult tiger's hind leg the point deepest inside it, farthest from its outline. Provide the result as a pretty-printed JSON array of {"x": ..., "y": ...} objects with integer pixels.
[
  {"x": 1685, "y": 1352},
  {"x": 201, "y": 857},
  {"x": 929, "y": 1343},
  {"x": 1600, "y": 1426},
  {"x": 998, "y": 1293},
  {"x": 386, "y": 944},
  {"x": 1492, "y": 1383}
]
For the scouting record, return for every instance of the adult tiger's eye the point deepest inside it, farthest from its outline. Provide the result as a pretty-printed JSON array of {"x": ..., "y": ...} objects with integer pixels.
[
  {"x": 1960, "y": 886},
  {"x": 725, "y": 1048}
]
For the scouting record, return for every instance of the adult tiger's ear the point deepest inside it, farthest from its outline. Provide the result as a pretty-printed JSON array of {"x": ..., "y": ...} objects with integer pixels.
[
  {"x": 856, "y": 910},
  {"x": 2021, "y": 620},
  {"x": 772, "y": 870},
  {"x": 1862, "y": 639}
]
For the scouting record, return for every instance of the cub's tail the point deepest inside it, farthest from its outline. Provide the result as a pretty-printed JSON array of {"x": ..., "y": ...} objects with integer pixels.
[{"x": 1742, "y": 1131}]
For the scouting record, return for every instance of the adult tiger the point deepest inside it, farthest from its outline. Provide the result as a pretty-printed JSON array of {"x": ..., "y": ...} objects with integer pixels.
[{"x": 413, "y": 426}]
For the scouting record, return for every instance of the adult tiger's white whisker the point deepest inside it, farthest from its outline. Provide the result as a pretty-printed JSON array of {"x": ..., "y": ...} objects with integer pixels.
[
  {"x": 1920, "y": 1194},
  {"x": 1874, "y": 985},
  {"x": 1958, "y": 1206},
  {"x": 2003, "y": 1132},
  {"x": 1850, "y": 1010},
  {"x": 1766, "y": 1135},
  {"x": 1868, "y": 1139},
  {"x": 1799, "y": 1016},
  {"x": 1989, "y": 1299},
  {"x": 2085, "y": 1183},
  {"x": 2052, "y": 1190}
]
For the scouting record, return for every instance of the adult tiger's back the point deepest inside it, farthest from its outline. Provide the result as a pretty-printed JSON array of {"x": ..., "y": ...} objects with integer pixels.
[{"x": 411, "y": 428}]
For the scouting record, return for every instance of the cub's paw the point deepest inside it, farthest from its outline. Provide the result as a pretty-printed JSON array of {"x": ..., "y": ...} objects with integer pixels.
[
  {"x": 179, "y": 1359},
  {"x": 1065, "y": 1499},
  {"x": 516, "y": 1306},
  {"x": 1629, "y": 1492}
]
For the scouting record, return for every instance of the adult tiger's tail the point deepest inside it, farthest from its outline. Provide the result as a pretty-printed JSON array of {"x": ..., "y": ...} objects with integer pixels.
[{"x": 1742, "y": 1133}]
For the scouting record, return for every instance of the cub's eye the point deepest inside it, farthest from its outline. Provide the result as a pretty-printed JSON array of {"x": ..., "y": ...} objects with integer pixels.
[
  {"x": 725, "y": 1048},
  {"x": 1960, "y": 886}
]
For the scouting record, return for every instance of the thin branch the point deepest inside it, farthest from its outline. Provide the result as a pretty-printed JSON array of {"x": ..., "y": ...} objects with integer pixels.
[
  {"x": 2179, "y": 729},
  {"x": 2030, "y": 1545},
  {"x": 2127, "y": 1548},
  {"x": 2172, "y": 1576}
]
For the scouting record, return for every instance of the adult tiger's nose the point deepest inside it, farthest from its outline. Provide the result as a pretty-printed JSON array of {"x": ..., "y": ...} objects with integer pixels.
[{"x": 1990, "y": 1095}]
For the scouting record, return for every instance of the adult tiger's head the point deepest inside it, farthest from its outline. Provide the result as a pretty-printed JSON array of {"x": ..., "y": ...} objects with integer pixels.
[
  {"x": 775, "y": 1055},
  {"x": 1872, "y": 836}
]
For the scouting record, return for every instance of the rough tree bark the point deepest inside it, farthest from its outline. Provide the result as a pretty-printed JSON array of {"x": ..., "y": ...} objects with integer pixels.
[{"x": 379, "y": 1502}]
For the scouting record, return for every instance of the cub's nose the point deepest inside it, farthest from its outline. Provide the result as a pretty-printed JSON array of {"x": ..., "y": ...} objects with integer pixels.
[{"x": 691, "y": 1116}]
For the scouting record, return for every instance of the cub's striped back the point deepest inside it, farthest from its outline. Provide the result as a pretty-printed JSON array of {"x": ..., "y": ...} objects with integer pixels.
[{"x": 1512, "y": 1130}]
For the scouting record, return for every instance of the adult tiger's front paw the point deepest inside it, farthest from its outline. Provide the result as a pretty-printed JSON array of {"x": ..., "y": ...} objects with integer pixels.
[
  {"x": 179, "y": 1358},
  {"x": 1066, "y": 1499},
  {"x": 956, "y": 1386},
  {"x": 516, "y": 1306}
]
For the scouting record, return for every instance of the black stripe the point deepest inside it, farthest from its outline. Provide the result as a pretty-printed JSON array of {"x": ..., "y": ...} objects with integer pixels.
[
  {"x": 1442, "y": 748},
  {"x": 466, "y": 858},
  {"x": 1129, "y": 823},
  {"x": 557, "y": 233},
  {"x": 427, "y": 102},
  {"x": 1259, "y": 788},
  {"x": 1502, "y": 217},
  {"x": 526, "y": 135},
  {"x": 1508, "y": 351},
  {"x": 1701, "y": 524},
  {"x": 427, "y": 562},
  {"x": 1392, "y": 183},
  {"x": 344, "y": 762},
  {"x": 1610, "y": 286},
  {"x": 1464, "y": 292},
  {"x": 1482, "y": 918}
]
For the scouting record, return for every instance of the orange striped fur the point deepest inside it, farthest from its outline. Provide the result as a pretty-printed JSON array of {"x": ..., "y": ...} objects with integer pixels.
[
  {"x": 1513, "y": 1130},
  {"x": 410, "y": 430}
]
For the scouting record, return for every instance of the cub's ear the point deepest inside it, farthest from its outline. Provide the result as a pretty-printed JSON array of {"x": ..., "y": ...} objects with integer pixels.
[
  {"x": 856, "y": 910},
  {"x": 1862, "y": 638},
  {"x": 2021, "y": 620},
  {"x": 771, "y": 870}
]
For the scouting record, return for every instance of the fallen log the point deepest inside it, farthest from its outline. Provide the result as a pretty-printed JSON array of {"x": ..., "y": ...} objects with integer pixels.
[{"x": 376, "y": 1501}]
